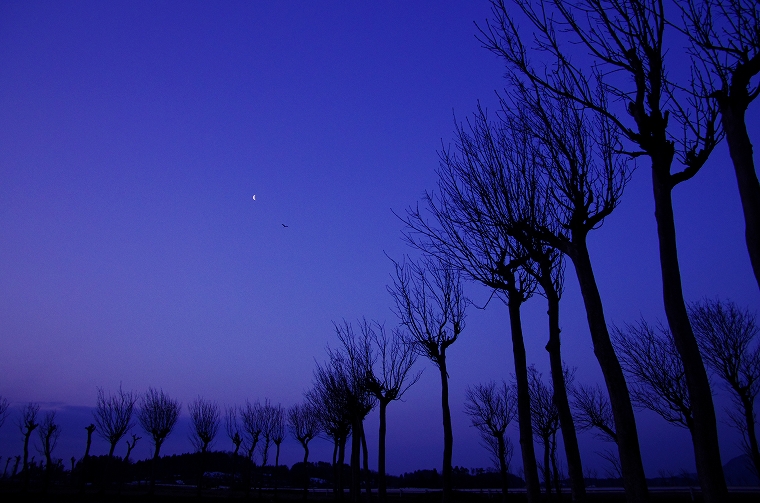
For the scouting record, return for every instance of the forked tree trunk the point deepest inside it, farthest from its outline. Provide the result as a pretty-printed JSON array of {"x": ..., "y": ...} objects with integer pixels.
[
  {"x": 705, "y": 432},
  {"x": 634, "y": 480},
  {"x": 525, "y": 423}
]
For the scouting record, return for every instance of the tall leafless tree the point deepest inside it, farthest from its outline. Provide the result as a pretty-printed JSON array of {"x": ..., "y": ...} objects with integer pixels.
[
  {"x": 252, "y": 416},
  {"x": 303, "y": 420},
  {"x": 471, "y": 230},
  {"x": 113, "y": 415},
  {"x": 725, "y": 37},
  {"x": 329, "y": 397},
  {"x": 650, "y": 359},
  {"x": 387, "y": 378},
  {"x": 728, "y": 338},
  {"x": 431, "y": 305},
  {"x": 356, "y": 359},
  {"x": 629, "y": 38},
  {"x": 204, "y": 415},
  {"x": 278, "y": 436},
  {"x": 492, "y": 408},
  {"x": 158, "y": 414},
  {"x": 232, "y": 428}
]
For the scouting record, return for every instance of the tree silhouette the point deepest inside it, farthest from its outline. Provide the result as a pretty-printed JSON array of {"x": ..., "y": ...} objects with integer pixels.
[
  {"x": 232, "y": 428},
  {"x": 27, "y": 424},
  {"x": 113, "y": 416},
  {"x": 593, "y": 411},
  {"x": 545, "y": 426},
  {"x": 651, "y": 360},
  {"x": 253, "y": 419},
  {"x": 629, "y": 38},
  {"x": 131, "y": 445},
  {"x": 431, "y": 306},
  {"x": 491, "y": 408},
  {"x": 303, "y": 420},
  {"x": 388, "y": 379},
  {"x": 158, "y": 414},
  {"x": 727, "y": 336},
  {"x": 726, "y": 46},
  {"x": 329, "y": 396},
  {"x": 204, "y": 415},
  {"x": 278, "y": 436},
  {"x": 48, "y": 433}
]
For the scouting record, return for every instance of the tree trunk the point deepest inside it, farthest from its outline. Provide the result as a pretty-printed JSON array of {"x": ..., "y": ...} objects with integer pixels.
[
  {"x": 306, "y": 469},
  {"x": 335, "y": 468},
  {"x": 448, "y": 436},
  {"x": 547, "y": 468},
  {"x": 110, "y": 451},
  {"x": 749, "y": 418},
  {"x": 341, "y": 462},
  {"x": 569, "y": 436},
  {"x": 705, "y": 432},
  {"x": 381, "y": 453},
  {"x": 365, "y": 463},
  {"x": 503, "y": 466},
  {"x": 732, "y": 113},
  {"x": 527, "y": 448},
  {"x": 555, "y": 469},
  {"x": 634, "y": 480},
  {"x": 356, "y": 445}
]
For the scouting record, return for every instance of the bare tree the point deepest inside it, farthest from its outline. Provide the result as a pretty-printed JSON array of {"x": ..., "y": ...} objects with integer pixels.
[
  {"x": 90, "y": 430},
  {"x": 727, "y": 336},
  {"x": 158, "y": 414},
  {"x": 726, "y": 45},
  {"x": 113, "y": 415},
  {"x": 492, "y": 408},
  {"x": 651, "y": 360},
  {"x": 303, "y": 420},
  {"x": 48, "y": 433},
  {"x": 430, "y": 304},
  {"x": 388, "y": 379},
  {"x": 131, "y": 445},
  {"x": 593, "y": 411},
  {"x": 253, "y": 425},
  {"x": 204, "y": 415},
  {"x": 278, "y": 436},
  {"x": 329, "y": 397},
  {"x": 545, "y": 425},
  {"x": 232, "y": 428},
  {"x": 27, "y": 424},
  {"x": 628, "y": 38},
  {"x": 268, "y": 426}
]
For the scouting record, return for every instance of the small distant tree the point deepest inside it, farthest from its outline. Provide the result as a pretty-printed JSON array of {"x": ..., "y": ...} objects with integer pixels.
[
  {"x": 727, "y": 336},
  {"x": 492, "y": 408},
  {"x": 158, "y": 414},
  {"x": 204, "y": 415},
  {"x": 431, "y": 305},
  {"x": 113, "y": 415},
  {"x": 131, "y": 445},
  {"x": 48, "y": 432},
  {"x": 27, "y": 424},
  {"x": 232, "y": 428},
  {"x": 545, "y": 425},
  {"x": 303, "y": 420}
]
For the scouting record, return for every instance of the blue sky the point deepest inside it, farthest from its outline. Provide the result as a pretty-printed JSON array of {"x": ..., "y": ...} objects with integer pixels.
[{"x": 132, "y": 251}]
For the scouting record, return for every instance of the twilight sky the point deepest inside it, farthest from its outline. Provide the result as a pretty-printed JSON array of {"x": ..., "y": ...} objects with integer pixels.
[{"x": 134, "y": 136}]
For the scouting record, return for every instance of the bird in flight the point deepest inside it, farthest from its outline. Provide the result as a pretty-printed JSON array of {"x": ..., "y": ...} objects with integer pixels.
[{"x": 284, "y": 225}]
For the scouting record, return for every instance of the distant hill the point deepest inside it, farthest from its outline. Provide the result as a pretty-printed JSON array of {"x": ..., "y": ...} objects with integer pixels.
[{"x": 740, "y": 472}]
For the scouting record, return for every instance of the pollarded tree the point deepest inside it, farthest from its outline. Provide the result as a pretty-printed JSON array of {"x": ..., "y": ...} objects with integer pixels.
[
  {"x": 656, "y": 372},
  {"x": 158, "y": 414},
  {"x": 431, "y": 305},
  {"x": 204, "y": 415},
  {"x": 492, "y": 408},
  {"x": 27, "y": 424},
  {"x": 725, "y": 37},
  {"x": 628, "y": 38},
  {"x": 232, "y": 428},
  {"x": 252, "y": 416},
  {"x": 303, "y": 420},
  {"x": 389, "y": 378},
  {"x": 728, "y": 338},
  {"x": 113, "y": 415},
  {"x": 48, "y": 433}
]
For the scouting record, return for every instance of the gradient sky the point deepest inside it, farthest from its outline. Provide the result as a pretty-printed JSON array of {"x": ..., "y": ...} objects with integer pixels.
[{"x": 134, "y": 136}]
